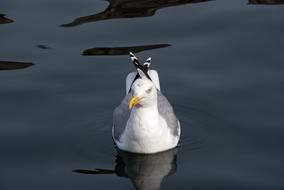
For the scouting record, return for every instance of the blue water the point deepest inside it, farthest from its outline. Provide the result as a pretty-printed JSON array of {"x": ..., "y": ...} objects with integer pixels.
[{"x": 222, "y": 70}]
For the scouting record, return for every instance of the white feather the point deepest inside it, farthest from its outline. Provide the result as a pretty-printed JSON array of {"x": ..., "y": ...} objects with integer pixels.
[
  {"x": 129, "y": 80},
  {"x": 155, "y": 78},
  {"x": 146, "y": 132}
]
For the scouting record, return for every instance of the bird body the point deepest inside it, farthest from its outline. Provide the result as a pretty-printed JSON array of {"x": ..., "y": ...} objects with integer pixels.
[
  {"x": 146, "y": 131},
  {"x": 145, "y": 121}
]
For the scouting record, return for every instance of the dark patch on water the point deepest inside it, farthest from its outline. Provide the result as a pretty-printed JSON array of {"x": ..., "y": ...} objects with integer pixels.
[
  {"x": 12, "y": 65},
  {"x": 122, "y": 50},
  {"x": 129, "y": 9},
  {"x": 5, "y": 20},
  {"x": 266, "y": 2},
  {"x": 41, "y": 46}
]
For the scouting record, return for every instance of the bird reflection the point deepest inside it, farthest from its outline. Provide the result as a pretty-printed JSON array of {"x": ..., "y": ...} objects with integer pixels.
[
  {"x": 12, "y": 65},
  {"x": 121, "y": 50},
  {"x": 4, "y": 20},
  {"x": 266, "y": 2},
  {"x": 129, "y": 9},
  {"x": 146, "y": 171}
]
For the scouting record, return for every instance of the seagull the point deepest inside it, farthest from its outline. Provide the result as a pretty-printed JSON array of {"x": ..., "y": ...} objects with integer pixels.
[{"x": 145, "y": 121}]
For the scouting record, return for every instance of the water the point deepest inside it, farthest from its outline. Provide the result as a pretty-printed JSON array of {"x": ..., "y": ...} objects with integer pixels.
[{"x": 221, "y": 66}]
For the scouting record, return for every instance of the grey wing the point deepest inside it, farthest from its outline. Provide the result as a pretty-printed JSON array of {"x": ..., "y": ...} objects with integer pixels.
[
  {"x": 167, "y": 112},
  {"x": 120, "y": 117}
]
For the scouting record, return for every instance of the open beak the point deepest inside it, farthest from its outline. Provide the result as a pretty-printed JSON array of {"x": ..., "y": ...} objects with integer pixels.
[{"x": 134, "y": 101}]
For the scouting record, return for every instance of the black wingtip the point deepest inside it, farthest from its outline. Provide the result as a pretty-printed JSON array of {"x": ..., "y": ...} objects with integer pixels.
[
  {"x": 134, "y": 59},
  {"x": 144, "y": 68}
]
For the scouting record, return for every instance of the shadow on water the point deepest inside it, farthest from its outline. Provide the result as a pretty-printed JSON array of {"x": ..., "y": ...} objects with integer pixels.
[
  {"x": 121, "y": 50},
  {"x": 4, "y": 20},
  {"x": 146, "y": 171},
  {"x": 129, "y": 9},
  {"x": 11, "y": 65},
  {"x": 41, "y": 46},
  {"x": 268, "y": 2}
]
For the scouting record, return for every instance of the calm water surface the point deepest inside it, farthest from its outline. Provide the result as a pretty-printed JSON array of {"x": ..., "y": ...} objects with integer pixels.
[{"x": 62, "y": 71}]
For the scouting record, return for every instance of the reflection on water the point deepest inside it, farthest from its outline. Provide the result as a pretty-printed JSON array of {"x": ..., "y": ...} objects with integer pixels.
[
  {"x": 129, "y": 9},
  {"x": 11, "y": 65},
  {"x": 266, "y": 2},
  {"x": 4, "y": 20},
  {"x": 121, "y": 50},
  {"x": 146, "y": 171},
  {"x": 41, "y": 46}
]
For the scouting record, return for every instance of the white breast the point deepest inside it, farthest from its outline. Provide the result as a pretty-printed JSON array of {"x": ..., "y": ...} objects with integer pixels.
[{"x": 146, "y": 132}]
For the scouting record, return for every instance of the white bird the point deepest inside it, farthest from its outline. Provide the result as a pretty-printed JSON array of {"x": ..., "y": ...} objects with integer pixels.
[{"x": 144, "y": 122}]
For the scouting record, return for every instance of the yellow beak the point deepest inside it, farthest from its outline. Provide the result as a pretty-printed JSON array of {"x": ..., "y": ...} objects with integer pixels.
[{"x": 134, "y": 100}]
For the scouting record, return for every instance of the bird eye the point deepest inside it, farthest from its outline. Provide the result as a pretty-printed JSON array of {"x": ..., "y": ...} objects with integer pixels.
[{"x": 149, "y": 90}]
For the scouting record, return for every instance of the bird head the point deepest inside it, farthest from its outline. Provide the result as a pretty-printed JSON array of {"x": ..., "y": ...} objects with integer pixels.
[{"x": 143, "y": 91}]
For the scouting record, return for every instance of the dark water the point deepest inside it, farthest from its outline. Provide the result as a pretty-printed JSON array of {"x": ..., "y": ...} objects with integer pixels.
[{"x": 223, "y": 73}]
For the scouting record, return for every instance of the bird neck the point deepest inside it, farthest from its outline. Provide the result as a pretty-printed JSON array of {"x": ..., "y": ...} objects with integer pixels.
[
  {"x": 149, "y": 108},
  {"x": 145, "y": 114}
]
